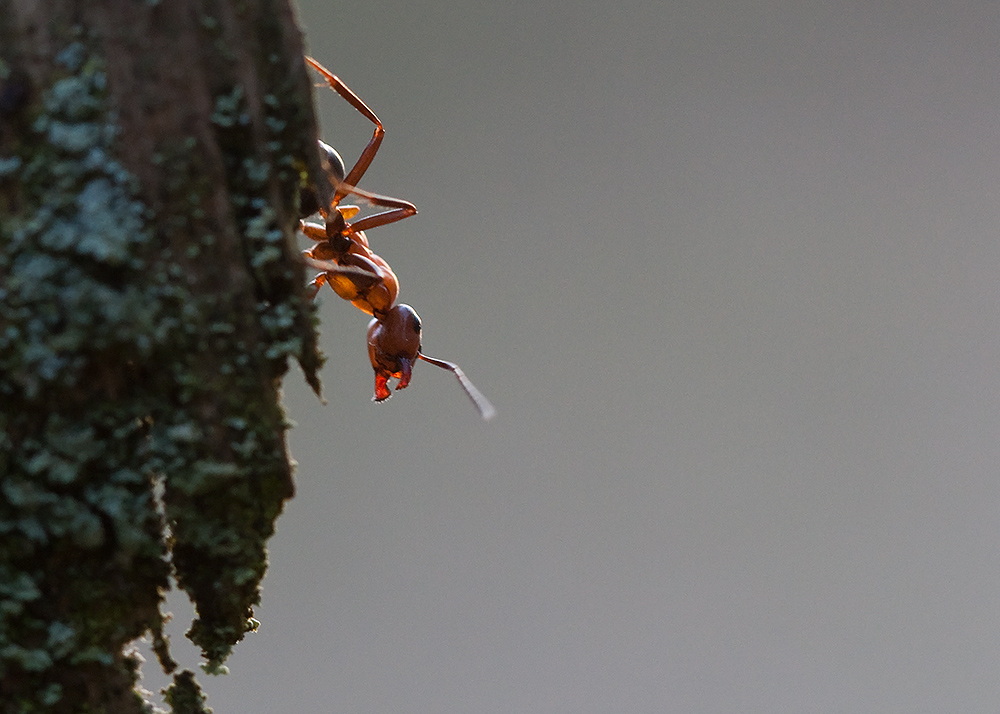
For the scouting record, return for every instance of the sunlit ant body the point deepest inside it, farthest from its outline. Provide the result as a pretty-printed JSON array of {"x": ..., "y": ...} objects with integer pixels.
[{"x": 360, "y": 276}]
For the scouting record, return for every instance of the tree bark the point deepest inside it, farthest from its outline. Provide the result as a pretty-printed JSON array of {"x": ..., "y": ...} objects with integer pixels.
[{"x": 152, "y": 158}]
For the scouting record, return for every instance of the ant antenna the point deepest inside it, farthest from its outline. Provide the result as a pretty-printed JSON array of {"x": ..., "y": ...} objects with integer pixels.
[{"x": 486, "y": 410}]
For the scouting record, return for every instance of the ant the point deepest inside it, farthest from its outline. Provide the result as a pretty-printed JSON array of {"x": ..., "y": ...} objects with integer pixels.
[{"x": 360, "y": 276}]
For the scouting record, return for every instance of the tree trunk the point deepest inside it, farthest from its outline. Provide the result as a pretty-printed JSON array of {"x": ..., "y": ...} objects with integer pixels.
[{"x": 152, "y": 156}]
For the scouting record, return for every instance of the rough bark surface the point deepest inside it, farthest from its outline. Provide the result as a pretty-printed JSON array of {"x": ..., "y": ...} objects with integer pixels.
[{"x": 152, "y": 156}]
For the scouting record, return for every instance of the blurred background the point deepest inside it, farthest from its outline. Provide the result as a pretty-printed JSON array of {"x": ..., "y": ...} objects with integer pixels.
[{"x": 729, "y": 272}]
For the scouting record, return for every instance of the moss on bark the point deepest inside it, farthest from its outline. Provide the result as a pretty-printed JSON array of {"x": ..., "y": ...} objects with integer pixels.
[{"x": 149, "y": 301}]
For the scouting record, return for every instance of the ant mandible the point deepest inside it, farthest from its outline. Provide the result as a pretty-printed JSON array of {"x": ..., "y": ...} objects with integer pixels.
[{"x": 360, "y": 276}]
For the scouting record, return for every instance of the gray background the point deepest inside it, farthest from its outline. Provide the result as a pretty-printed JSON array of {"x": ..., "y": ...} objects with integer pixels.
[{"x": 729, "y": 271}]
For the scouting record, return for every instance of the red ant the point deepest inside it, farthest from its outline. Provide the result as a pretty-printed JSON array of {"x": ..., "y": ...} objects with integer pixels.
[{"x": 357, "y": 274}]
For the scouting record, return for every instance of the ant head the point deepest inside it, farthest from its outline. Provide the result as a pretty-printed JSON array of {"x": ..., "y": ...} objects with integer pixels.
[
  {"x": 393, "y": 335},
  {"x": 394, "y": 345}
]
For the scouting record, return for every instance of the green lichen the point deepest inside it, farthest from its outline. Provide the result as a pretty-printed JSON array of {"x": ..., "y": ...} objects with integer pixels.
[
  {"x": 78, "y": 524},
  {"x": 185, "y": 696},
  {"x": 135, "y": 396},
  {"x": 222, "y": 509}
]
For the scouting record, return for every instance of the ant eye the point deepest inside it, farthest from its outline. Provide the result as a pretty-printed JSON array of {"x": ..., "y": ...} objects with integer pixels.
[{"x": 416, "y": 323}]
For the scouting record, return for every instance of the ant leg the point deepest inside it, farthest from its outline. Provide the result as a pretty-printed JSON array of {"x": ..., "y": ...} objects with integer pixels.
[
  {"x": 311, "y": 230},
  {"x": 400, "y": 209},
  {"x": 329, "y": 240},
  {"x": 362, "y": 275},
  {"x": 313, "y": 288},
  {"x": 365, "y": 160}
]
